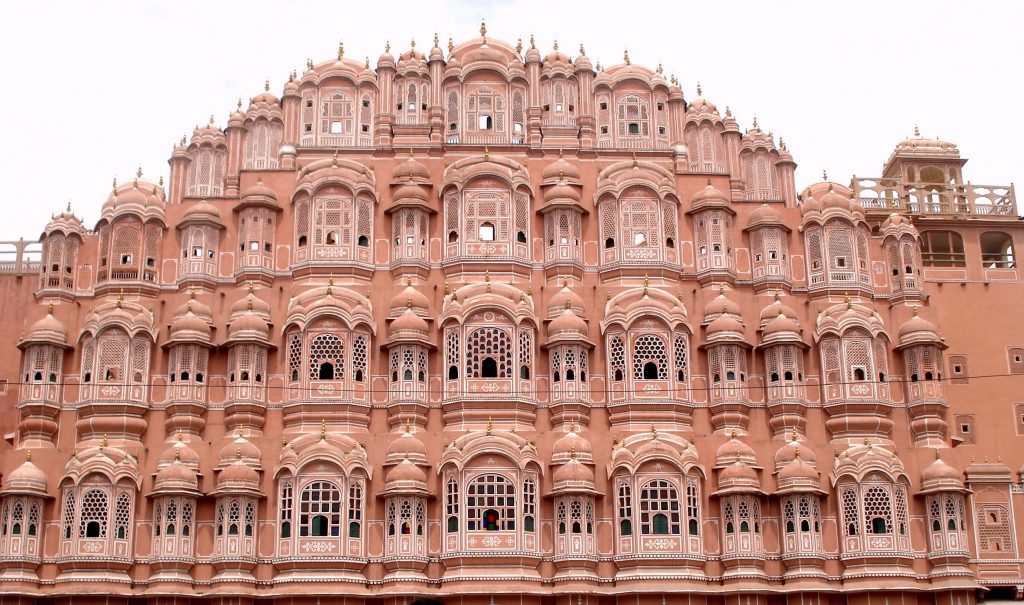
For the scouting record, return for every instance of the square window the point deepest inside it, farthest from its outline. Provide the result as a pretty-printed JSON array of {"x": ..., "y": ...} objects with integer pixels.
[
  {"x": 209, "y": 253},
  {"x": 558, "y": 107},
  {"x": 197, "y": 251},
  {"x": 309, "y": 128},
  {"x": 661, "y": 130},
  {"x": 604, "y": 105},
  {"x": 126, "y": 259},
  {"x": 366, "y": 128},
  {"x": 772, "y": 255},
  {"x": 661, "y": 106},
  {"x": 634, "y": 128},
  {"x": 841, "y": 261},
  {"x": 309, "y": 103},
  {"x": 266, "y": 246},
  {"x": 336, "y": 127},
  {"x": 486, "y": 122},
  {"x": 254, "y": 246},
  {"x": 366, "y": 102},
  {"x": 604, "y": 130}
]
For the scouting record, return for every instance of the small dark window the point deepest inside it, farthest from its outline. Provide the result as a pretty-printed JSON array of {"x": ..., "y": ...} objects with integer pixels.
[
  {"x": 650, "y": 371},
  {"x": 521, "y": 237},
  {"x": 634, "y": 128},
  {"x": 363, "y": 241},
  {"x": 625, "y": 527},
  {"x": 453, "y": 372},
  {"x": 488, "y": 368},
  {"x": 609, "y": 243}
]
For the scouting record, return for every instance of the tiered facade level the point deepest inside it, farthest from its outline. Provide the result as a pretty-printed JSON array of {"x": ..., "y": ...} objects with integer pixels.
[{"x": 509, "y": 328}]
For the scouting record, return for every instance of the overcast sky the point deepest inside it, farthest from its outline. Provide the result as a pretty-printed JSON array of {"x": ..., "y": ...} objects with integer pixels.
[{"x": 94, "y": 89}]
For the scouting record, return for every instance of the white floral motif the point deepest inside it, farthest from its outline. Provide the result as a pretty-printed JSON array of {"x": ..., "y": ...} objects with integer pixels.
[
  {"x": 319, "y": 547},
  {"x": 491, "y": 541}
]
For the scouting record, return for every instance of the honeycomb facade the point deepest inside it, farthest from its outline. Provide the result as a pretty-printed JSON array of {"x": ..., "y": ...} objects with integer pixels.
[{"x": 502, "y": 327}]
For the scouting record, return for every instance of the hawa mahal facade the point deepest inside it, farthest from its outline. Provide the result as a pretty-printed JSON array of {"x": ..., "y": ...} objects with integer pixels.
[{"x": 502, "y": 327}]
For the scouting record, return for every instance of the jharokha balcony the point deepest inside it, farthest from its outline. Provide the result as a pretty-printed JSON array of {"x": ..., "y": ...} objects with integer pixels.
[{"x": 888, "y": 195}]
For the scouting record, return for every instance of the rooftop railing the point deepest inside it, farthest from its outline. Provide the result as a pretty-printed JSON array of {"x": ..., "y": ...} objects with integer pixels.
[
  {"x": 886, "y": 195},
  {"x": 20, "y": 257}
]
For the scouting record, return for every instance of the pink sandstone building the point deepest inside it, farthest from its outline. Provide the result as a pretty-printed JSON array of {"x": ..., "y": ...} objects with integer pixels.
[{"x": 512, "y": 328}]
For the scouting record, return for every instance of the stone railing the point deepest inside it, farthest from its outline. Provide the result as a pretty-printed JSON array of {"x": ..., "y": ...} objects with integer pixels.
[
  {"x": 20, "y": 257},
  {"x": 885, "y": 195}
]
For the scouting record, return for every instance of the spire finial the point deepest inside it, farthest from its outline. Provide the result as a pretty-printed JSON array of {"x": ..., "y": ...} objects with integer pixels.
[
  {"x": 519, "y": 45},
  {"x": 238, "y": 452},
  {"x": 625, "y": 57},
  {"x": 654, "y": 431},
  {"x": 437, "y": 42},
  {"x": 238, "y": 105},
  {"x": 487, "y": 153},
  {"x": 824, "y": 174},
  {"x": 120, "y": 297},
  {"x": 341, "y": 50},
  {"x": 266, "y": 85},
  {"x": 138, "y": 172},
  {"x": 635, "y": 163},
  {"x": 572, "y": 451},
  {"x": 334, "y": 158},
  {"x": 556, "y": 45},
  {"x": 755, "y": 122},
  {"x": 103, "y": 442},
  {"x": 49, "y": 308},
  {"x": 211, "y": 119},
  {"x": 28, "y": 455},
  {"x": 412, "y": 43},
  {"x": 451, "y": 45},
  {"x": 366, "y": 62},
  {"x": 660, "y": 69},
  {"x": 916, "y": 308},
  {"x": 177, "y": 455},
  {"x": 323, "y": 429},
  {"x": 917, "y": 131},
  {"x": 490, "y": 426},
  {"x": 483, "y": 30},
  {"x": 699, "y": 91},
  {"x": 728, "y": 112},
  {"x": 582, "y": 50}
]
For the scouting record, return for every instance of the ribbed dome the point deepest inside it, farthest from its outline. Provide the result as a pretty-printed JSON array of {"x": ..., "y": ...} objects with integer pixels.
[
  {"x": 558, "y": 301},
  {"x": 26, "y": 479},
  {"x": 253, "y": 302},
  {"x": 781, "y": 323},
  {"x": 560, "y": 169},
  {"x": 202, "y": 211},
  {"x": 571, "y": 445},
  {"x": 573, "y": 475},
  {"x": 239, "y": 447},
  {"x": 765, "y": 215},
  {"x": 175, "y": 478},
  {"x": 709, "y": 195},
  {"x": 249, "y": 324},
  {"x": 776, "y": 308},
  {"x": 410, "y": 169},
  {"x": 809, "y": 205},
  {"x": 798, "y": 470},
  {"x": 917, "y": 324},
  {"x": 48, "y": 330},
  {"x": 719, "y": 305},
  {"x": 408, "y": 322},
  {"x": 190, "y": 324},
  {"x": 401, "y": 301},
  {"x": 567, "y": 324},
  {"x": 238, "y": 474},
  {"x": 405, "y": 478},
  {"x": 835, "y": 200},
  {"x": 725, "y": 323},
  {"x": 733, "y": 450},
  {"x": 408, "y": 445}
]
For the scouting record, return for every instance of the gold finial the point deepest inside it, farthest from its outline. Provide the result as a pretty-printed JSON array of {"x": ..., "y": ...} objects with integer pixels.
[
  {"x": 366, "y": 62},
  {"x": 849, "y": 303},
  {"x": 412, "y": 43},
  {"x": 660, "y": 69},
  {"x": 28, "y": 455},
  {"x": 582, "y": 50},
  {"x": 654, "y": 431},
  {"x": 451, "y": 45},
  {"x": 532, "y": 43},
  {"x": 323, "y": 429},
  {"x": 490, "y": 426},
  {"x": 239, "y": 104},
  {"x": 915, "y": 310},
  {"x": 341, "y": 50},
  {"x": 917, "y": 132},
  {"x": 937, "y": 457},
  {"x": 49, "y": 308},
  {"x": 334, "y": 158},
  {"x": 519, "y": 45},
  {"x": 572, "y": 451},
  {"x": 103, "y": 442},
  {"x": 700, "y": 92},
  {"x": 755, "y": 122},
  {"x": 635, "y": 163},
  {"x": 733, "y": 433},
  {"x": 487, "y": 153},
  {"x": 238, "y": 452},
  {"x": 436, "y": 41},
  {"x": 138, "y": 173},
  {"x": 266, "y": 85},
  {"x": 625, "y": 57},
  {"x": 824, "y": 174},
  {"x": 120, "y": 297},
  {"x": 646, "y": 283},
  {"x": 556, "y": 45},
  {"x": 177, "y": 454},
  {"x": 483, "y": 30},
  {"x": 573, "y": 426},
  {"x": 568, "y": 305}
]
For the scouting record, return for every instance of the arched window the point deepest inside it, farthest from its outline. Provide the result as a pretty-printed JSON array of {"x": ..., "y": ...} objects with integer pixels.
[
  {"x": 650, "y": 359},
  {"x": 95, "y": 513},
  {"x": 942, "y": 249},
  {"x": 633, "y": 118},
  {"x": 327, "y": 357},
  {"x": 489, "y": 354},
  {"x": 490, "y": 504},
  {"x": 659, "y": 508},
  {"x": 997, "y": 250},
  {"x": 451, "y": 505},
  {"x": 320, "y": 510},
  {"x": 625, "y": 509}
]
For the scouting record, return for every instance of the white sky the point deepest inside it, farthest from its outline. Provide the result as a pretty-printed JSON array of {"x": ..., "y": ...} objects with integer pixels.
[{"x": 94, "y": 89}]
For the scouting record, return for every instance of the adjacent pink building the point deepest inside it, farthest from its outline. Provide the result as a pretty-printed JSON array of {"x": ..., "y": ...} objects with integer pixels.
[{"x": 513, "y": 328}]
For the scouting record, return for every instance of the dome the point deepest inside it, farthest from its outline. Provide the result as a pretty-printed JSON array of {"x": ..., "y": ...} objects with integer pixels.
[
  {"x": 251, "y": 302},
  {"x": 190, "y": 324},
  {"x": 238, "y": 474},
  {"x": 175, "y": 478},
  {"x": 791, "y": 451},
  {"x": 408, "y": 445},
  {"x": 916, "y": 325},
  {"x": 571, "y": 445},
  {"x": 411, "y": 169},
  {"x": 48, "y": 330},
  {"x": 239, "y": 447},
  {"x": 737, "y": 472},
  {"x": 405, "y": 477},
  {"x": 259, "y": 190},
  {"x": 733, "y": 450},
  {"x": 720, "y": 305},
  {"x": 560, "y": 170},
  {"x": 202, "y": 211},
  {"x": 781, "y": 324},
  {"x": 940, "y": 476},
  {"x": 574, "y": 475},
  {"x": 249, "y": 324},
  {"x": 708, "y": 196},
  {"x": 701, "y": 105},
  {"x": 141, "y": 196},
  {"x": 725, "y": 323},
  {"x": 562, "y": 192},
  {"x": 26, "y": 479},
  {"x": 558, "y": 302},
  {"x": 809, "y": 205},
  {"x": 409, "y": 294},
  {"x": 765, "y": 215},
  {"x": 407, "y": 322},
  {"x": 776, "y": 308},
  {"x": 410, "y": 192},
  {"x": 798, "y": 475},
  {"x": 567, "y": 324},
  {"x": 833, "y": 199}
]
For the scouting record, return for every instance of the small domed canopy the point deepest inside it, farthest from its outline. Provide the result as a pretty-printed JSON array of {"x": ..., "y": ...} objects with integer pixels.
[
  {"x": 561, "y": 171},
  {"x": 409, "y": 327},
  {"x": 792, "y": 450},
  {"x": 738, "y": 478},
  {"x": 401, "y": 301},
  {"x": 67, "y": 223},
  {"x": 710, "y": 197},
  {"x": 720, "y": 305},
  {"x": 567, "y": 328},
  {"x": 727, "y": 328},
  {"x": 640, "y": 448},
  {"x": 137, "y": 197},
  {"x": 47, "y": 331},
  {"x": 799, "y": 475},
  {"x": 766, "y": 216},
  {"x": 572, "y": 445},
  {"x": 249, "y": 327},
  {"x": 258, "y": 195},
  {"x": 635, "y": 304},
  {"x": 405, "y": 478},
  {"x": 176, "y": 478},
  {"x": 733, "y": 450},
  {"x": 826, "y": 199},
  {"x": 411, "y": 170},
  {"x": 240, "y": 447},
  {"x": 406, "y": 446},
  {"x": 918, "y": 330},
  {"x": 857, "y": 461},
  {"x": 201, "y": 212},
  {"x": 918, "y": 147},
  {"x": 189, "y": 328},
  {"x": 565, "y": 295},
  {"x": 939, "y": 476},
  {"x": 780, "y": 330},
  {"x": 238, "y": 478},
  {"x": 838, "y": 318},
  {"x": 774, "y": 309},
  {"x": 573, "y": 477},
  {"x": 26, "y": 480},
  {"x": 251, "y": 302}
]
